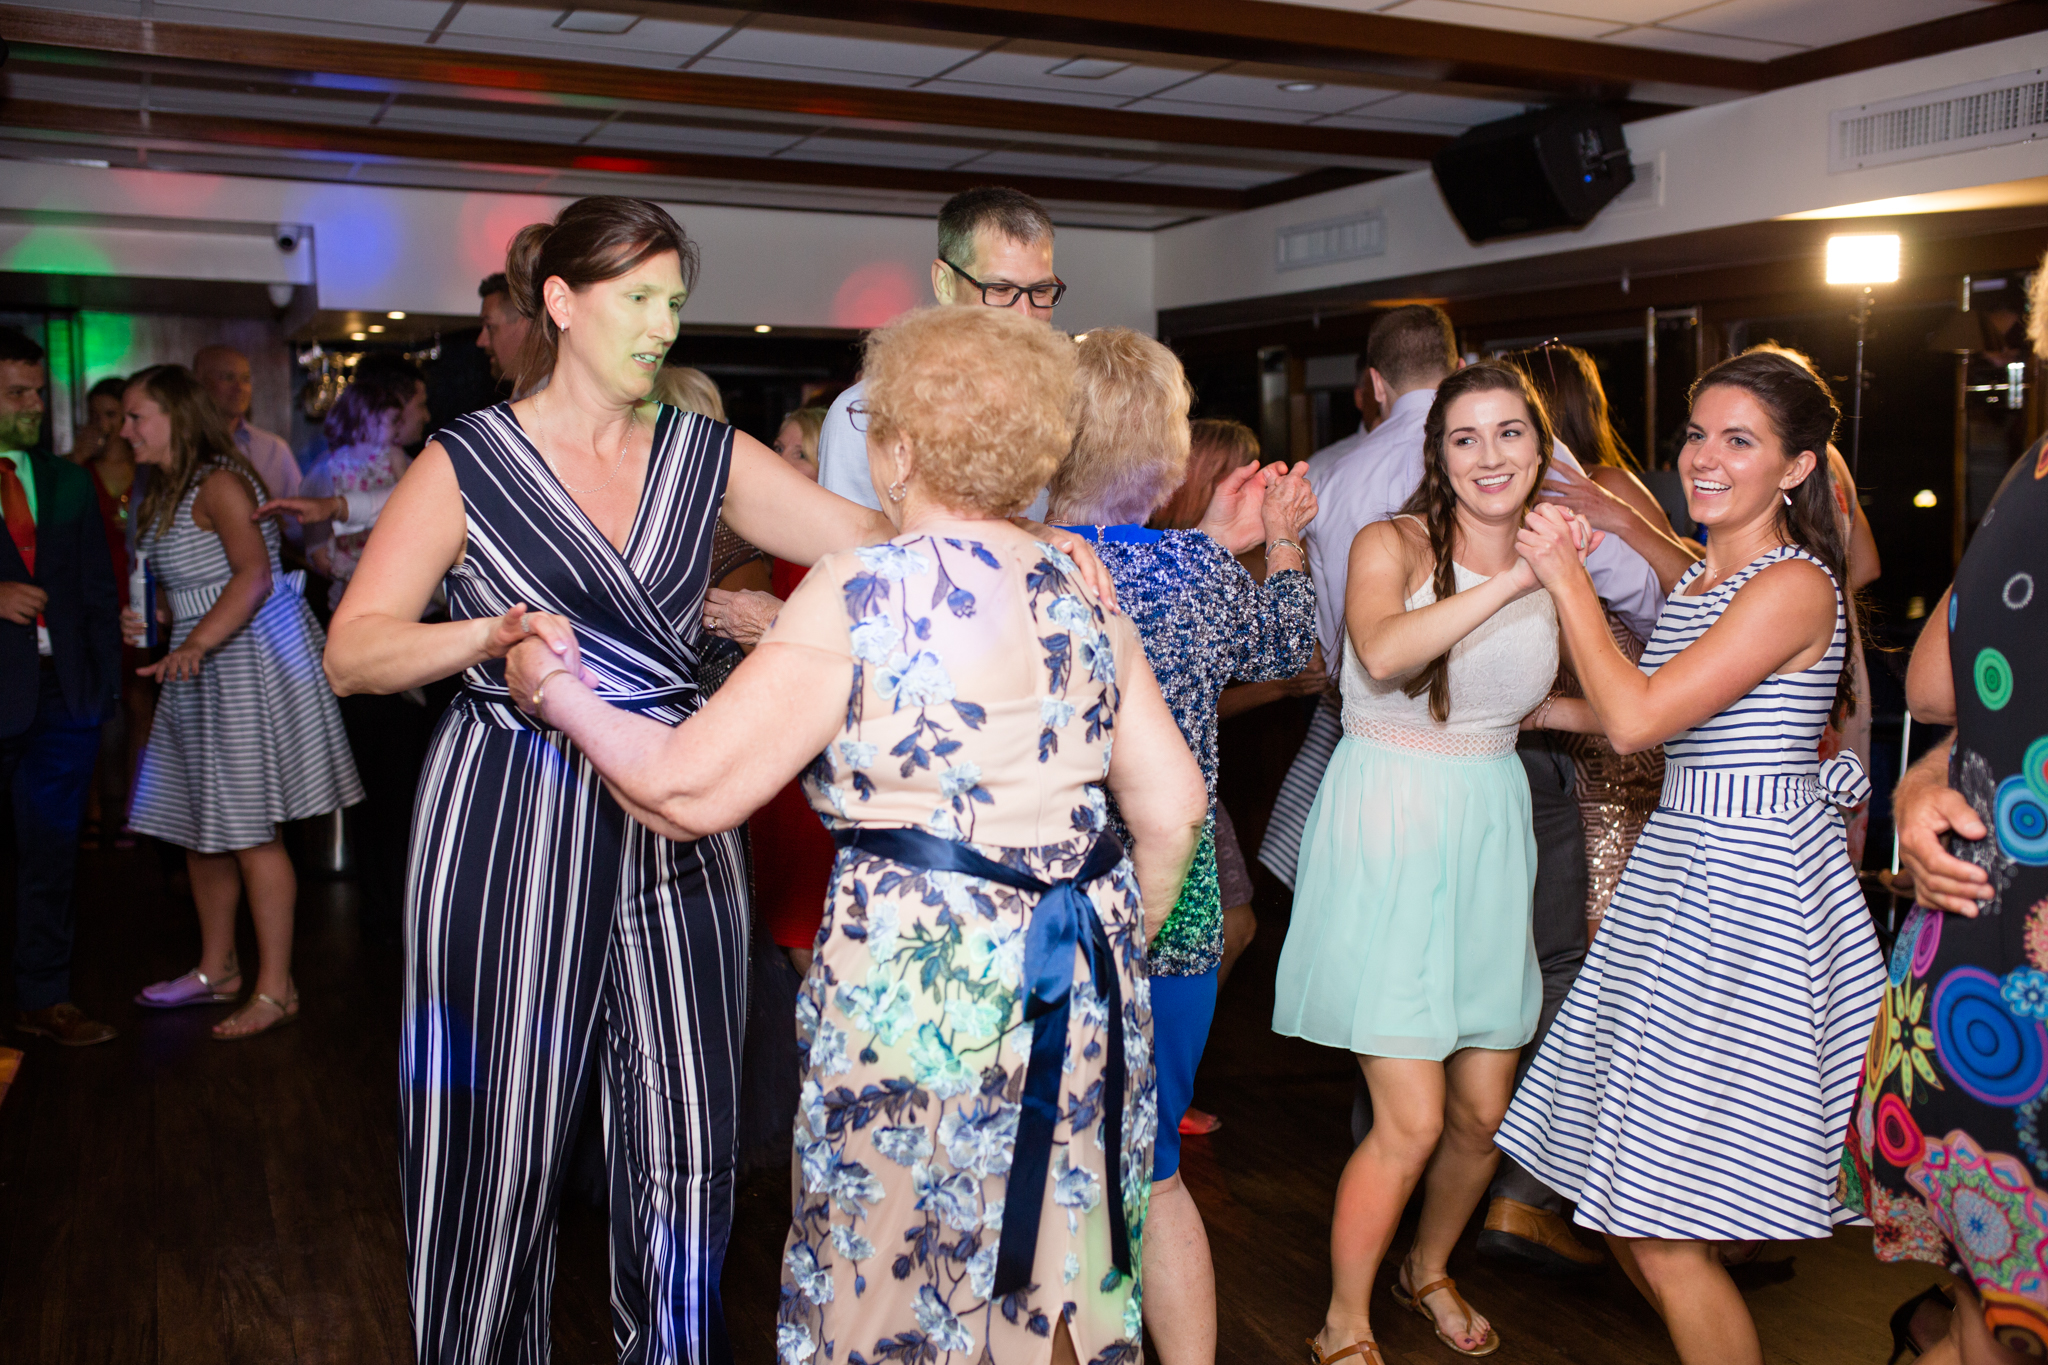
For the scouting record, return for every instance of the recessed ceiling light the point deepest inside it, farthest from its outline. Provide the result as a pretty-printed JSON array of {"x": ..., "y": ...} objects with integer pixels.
[
  {"x": 595, "y": 21},
  {"x": 1087, "y": 68},
  {"x": 358, "y": 336},
  {"x": 396, "y": 315},
  {"x": 376, "y": 327},
  {"x": 1299, "y": 87},
  {"x": 763, "y": 327},
  {"x": 1925, "y": 498}
]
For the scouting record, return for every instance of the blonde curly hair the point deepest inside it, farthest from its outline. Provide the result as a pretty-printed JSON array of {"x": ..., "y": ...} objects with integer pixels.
[
  {"x": 981, "y": 395},
  {"x": 1131, "y": 434}
]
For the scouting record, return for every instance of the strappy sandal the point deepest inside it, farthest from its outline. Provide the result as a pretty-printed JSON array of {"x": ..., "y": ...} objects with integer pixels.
[
  {"x": 1368, "y": 1353},
  {"x": 193, "y": 988},
  {"x": 286, "y": 1014},
  {"x": 1413, "y": 1303}
]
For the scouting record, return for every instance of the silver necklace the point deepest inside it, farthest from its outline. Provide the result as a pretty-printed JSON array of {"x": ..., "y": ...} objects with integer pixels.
[{"x": 632, "y": 425}]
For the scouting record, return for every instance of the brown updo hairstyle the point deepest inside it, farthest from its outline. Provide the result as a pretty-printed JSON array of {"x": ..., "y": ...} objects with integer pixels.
[
  {"x": 1436, "y": 499},
  {"x": 200, "y": 444},
  {"x": 983, "y": 396},
  {"x": 592, "y": 240},
  {"x": 1804, "y": 416},
  {"x": 1568, "y": 382}
]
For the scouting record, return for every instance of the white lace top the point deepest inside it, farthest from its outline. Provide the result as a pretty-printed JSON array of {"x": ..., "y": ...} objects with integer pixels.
[{"x": 1499, "y": 673}]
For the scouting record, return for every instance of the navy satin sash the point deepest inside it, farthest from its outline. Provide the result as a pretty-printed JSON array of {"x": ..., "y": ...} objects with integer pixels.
[{"x": 1064, "y": 920}]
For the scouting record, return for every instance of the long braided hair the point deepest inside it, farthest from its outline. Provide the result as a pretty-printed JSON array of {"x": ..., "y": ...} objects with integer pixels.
[
  {"x": 1436, "y": 500},
  {"x": 1804, "y": 411}
]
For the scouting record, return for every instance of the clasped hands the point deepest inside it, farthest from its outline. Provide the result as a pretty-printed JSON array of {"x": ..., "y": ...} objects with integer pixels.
[
  {"x": 535, "y": 645},
  {"x": 1553, "y": 545}
]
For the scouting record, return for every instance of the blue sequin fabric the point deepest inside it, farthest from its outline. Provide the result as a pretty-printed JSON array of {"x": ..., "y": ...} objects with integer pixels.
[{"x": 1206, "y": 623}]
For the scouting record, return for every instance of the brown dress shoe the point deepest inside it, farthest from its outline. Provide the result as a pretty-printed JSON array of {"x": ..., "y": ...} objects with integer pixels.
[
  {"x": 1535, "y": 1239},
  {"x": 64, "y": 1023}
]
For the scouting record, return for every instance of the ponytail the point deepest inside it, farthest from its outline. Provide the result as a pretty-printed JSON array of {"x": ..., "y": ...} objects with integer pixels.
[{"x": 1809, "y": 516}]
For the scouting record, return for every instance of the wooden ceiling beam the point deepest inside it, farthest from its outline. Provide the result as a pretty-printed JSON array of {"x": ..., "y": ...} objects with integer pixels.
[
  {"x": 401, "y": 144},
  {"x": 392, "y": 64},
  {"x": 2011, "y": 19},
  {"x": 1308, "y": 36}
]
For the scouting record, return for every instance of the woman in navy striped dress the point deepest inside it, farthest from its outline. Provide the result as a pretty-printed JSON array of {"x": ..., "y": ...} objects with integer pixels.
[{"x": 1697, "y": 1084}]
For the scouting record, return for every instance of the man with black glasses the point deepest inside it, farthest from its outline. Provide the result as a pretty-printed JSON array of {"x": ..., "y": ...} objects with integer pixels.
[{"x": 995, "y": 249}]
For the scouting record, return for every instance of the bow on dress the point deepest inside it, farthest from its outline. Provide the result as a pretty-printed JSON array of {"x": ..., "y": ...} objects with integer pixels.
[{"x": 1063, "y": 921}]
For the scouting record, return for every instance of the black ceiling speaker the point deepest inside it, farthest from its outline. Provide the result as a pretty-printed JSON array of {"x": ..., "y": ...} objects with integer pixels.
[{"x": 1549, "y": 168}]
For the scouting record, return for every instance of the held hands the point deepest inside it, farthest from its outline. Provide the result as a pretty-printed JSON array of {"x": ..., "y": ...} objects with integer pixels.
[
  {"x": 19, "y": 602},
  {"x": 742, "y": 617},
  {"x": 548, "y": 650},
  {"x": 1924, "y": 808},
  {"x": 1553, "y": 544},
  {"x": 1290, "y": 504}
]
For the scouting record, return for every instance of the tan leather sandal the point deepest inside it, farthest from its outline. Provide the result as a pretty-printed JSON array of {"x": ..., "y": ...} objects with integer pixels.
[
  {"x": 287, "y": 1013},
  {"x": 1413, "y": 1303},
  {"x": 1368, "y": 1353}
]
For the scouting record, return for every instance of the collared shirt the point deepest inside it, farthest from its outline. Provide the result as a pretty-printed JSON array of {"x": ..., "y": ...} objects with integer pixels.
[
  {"x": 843, "y": 457},
  {"x": 25, "y": 468},
  {"x": 1370, "y": 477},
  {"x": 271, "y": 457}
]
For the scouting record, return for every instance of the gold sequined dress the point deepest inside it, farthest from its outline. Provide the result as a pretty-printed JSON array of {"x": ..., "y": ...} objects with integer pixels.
[{"x": 1616, "y": 792}]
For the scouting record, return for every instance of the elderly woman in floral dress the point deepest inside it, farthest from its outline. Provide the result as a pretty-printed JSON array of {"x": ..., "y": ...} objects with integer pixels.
[{"x": 974, "y": 1142}]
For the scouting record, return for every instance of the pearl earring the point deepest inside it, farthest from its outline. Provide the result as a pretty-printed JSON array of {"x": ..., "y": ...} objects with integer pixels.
[
  {"x": 1786, "y": 496},
  {"x": 898, "y": 489}
]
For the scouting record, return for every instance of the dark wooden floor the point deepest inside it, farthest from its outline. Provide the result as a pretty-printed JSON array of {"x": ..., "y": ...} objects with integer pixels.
[{"x": 169, "y": 1198}]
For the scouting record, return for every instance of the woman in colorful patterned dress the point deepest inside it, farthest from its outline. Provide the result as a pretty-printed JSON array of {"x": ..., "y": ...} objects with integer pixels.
[
  {"x": 975, "y": 1136},
  {"x": 1205, "y": 621},
  {"x": 1946, "y": 1152},
  {"x": 1697, "y": 1081}
]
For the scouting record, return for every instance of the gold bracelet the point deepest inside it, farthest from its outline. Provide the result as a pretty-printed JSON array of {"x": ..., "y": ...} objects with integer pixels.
[{"x": 543, "y": 683}]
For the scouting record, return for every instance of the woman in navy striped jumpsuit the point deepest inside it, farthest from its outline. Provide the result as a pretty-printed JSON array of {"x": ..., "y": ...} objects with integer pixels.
[{"x": 544, "y": 923}]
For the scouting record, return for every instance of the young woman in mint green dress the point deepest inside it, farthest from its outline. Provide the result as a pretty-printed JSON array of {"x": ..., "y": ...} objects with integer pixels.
[{"x": 1411, "y": 944}]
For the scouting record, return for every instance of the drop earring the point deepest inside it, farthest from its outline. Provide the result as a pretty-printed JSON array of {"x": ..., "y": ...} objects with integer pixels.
[
  {"x": 1786, "y": 496},
  {"x": 901, "y": 487}
]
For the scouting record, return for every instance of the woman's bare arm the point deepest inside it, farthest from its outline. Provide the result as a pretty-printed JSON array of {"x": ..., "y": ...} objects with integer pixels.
[
  {"x": 776, "y": 713},
  {"x": 1392, "y": 640},
  {"x": 1158, "y": 788},
  {"x": 1930, "y": 685},
  {"x": 1613, "y": 500},
  {"x": 788, "y": 515},
  {"x": 222, "y": 507},
  {"x": 377, "y": 642},
  {"x": 1781, "y": 620}
]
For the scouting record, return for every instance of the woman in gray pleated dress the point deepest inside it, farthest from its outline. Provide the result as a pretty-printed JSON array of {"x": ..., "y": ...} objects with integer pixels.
[{"x": 247, "y": 734}]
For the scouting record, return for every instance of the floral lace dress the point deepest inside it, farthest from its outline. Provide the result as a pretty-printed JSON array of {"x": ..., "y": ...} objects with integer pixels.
[{"x": 983, "y": 705}]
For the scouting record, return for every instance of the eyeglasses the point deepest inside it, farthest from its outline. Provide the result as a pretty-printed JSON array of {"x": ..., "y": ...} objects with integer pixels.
[
  {"x": 857, "y": 413},
  {"x": 1005, "y": 295}
]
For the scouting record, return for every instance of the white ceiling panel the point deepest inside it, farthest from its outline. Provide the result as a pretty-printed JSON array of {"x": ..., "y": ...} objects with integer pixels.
[
  {"x": 1815, "y": 23},
  {"x": 830, "y": 47},
  {"x": 673, "y": 138},
  {"x": 1702, "y": 44},
  {"x": 717, "y": 64},
  {"x": 514, "y": 23},
  {"x": 1029, "y": 65},
  {"x": 489, "y": 123},
  {"x": 1086, "y": 97},
  {"x": 122, "y": 92},
  {"x": 1415, "y": 107},
  {"x": 416, "y": 16},
  {"x": 1510, "y": 19},
  {"x": 1212, "y": 177},
  {"x": 865, "y": 152},
  {"x": 1237, "y": 94},
  {"x": 1041, "y": 163}
]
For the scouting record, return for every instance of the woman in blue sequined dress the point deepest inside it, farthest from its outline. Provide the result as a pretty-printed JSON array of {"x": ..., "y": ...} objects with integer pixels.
[{"x": 1205, "y": 622}]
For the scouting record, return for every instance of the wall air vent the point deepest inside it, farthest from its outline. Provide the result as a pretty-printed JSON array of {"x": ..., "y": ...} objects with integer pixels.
[
  {"x": 1959, "y": 119},
  {"x": 1337, "y": 239}
]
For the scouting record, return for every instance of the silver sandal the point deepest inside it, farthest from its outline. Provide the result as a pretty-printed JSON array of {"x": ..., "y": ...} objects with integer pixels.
[{"x": 202, "y": 990}]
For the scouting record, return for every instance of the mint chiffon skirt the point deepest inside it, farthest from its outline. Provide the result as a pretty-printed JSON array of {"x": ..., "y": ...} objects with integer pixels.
[{"x": 1411, "y": 933}]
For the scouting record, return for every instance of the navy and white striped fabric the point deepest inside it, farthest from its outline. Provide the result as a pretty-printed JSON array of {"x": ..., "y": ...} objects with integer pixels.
[
  {"x": 543, "y": 921},
  {"x": 1698, "y": 1081},
  {"x": 1280, "y": 850},
  {"x": 254, "y": 740}
]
